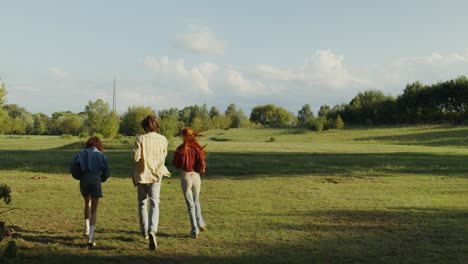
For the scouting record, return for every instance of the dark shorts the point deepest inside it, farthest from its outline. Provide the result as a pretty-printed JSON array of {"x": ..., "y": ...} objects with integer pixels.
[{"x": 92, "y": 189}]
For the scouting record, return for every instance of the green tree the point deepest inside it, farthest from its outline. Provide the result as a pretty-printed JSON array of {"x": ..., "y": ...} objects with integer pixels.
[
  {"x": 4, "y": 121},
  {"x": 214, "y": 111},
  {"x": 40, "y": 123},
  {"x": 364, "y": 106},
  {"x": 110, "y": 127},
  {"x": 54, "y": 123},
  {"x": 172, "y": 113},
  {"x": 323, "y": 111},
  {"x": 317, "y": 124},
  {"x": 130, "y": 124},
  {"x": 97, "y": 113},
  {"x": 4, "y": 117},
  {"x": 240, "y": 120},
  {"x": 187, "y": 114},
  {"x": 271, "y": 115},
  {"x": 19, "y": 120},
  {"x": 263, "y": 114},
  {"x": 231, "y": 110},
  {"x": 197, "y": 124},
  {"x": 339, "y": 123},
  {"x": 3, "y": 94},
  {"x": 169, "y": 127},
  {"x": 305, "y": 115},
  {"x": 221, "y": 122},
  {"x": 337, "y": 110},
  {"x": 237, "y": 117},
  {"x": 282, "y": 117},
  {"x": 71, "y": 124}
]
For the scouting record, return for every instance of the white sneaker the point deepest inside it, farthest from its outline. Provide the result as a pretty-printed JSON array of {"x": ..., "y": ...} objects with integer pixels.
[
  {"x": 91, "y": 243},
  {"x": 152, "y": 241},
  {"x": 86, "y": 232}
]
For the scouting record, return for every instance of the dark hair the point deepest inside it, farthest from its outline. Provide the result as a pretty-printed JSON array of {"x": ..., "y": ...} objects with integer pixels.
[
  {"x": 94, "y": 142},
  {"x": 150, "y": 124}
]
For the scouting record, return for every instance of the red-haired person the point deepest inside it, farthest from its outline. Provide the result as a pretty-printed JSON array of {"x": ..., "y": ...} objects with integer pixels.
[
  {"x": 190, "y": 158},
  {"x": 149, "y": 156},
  {"x": 91, "y": 167}
]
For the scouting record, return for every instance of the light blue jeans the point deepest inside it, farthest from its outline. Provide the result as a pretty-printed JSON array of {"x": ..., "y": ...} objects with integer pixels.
[
  {"x": 191, "y": 185},
  {"x": 148, "y": 223}
]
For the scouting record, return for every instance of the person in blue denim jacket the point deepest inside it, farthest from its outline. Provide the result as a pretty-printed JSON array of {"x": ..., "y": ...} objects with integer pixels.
[{"x": 91, "y": 167}]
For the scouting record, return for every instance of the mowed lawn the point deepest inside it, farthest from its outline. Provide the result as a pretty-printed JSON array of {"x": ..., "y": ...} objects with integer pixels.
[{"x": 383, "y": 195}]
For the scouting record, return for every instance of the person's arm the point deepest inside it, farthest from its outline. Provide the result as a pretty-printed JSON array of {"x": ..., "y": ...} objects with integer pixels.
[
  {"x": 105, "y": 174},
  {"x": 75, "y": 168},
  {"x": 201, "y": 161},
  {"x": 137, "y": 150},
  {"x": 177, "y": 159}
]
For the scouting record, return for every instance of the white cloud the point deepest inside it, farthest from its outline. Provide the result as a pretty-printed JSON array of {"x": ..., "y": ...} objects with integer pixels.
[
  {"x": 243, "y": 86},
  {"x": 200, "y": 40},
  {"x": 324, "y": 69},
  {"x": 206, "y": 77},
  {"x": 323, "y": 78},
  {"x": 58, "y": 73},
  {"x": 436, "y": 58},
  {"x": 199, "y": 75},
  {"x": 393, "y": 76},
  {"x": 268, "y": 71}
]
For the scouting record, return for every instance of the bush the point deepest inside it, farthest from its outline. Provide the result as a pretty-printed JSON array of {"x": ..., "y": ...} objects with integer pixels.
[
  {"x": 98, "y": 135},
  {"x": 272, "y": 139},
  {"x": 169, "y": 127},
  {"x": 83, "y": 134},
  {"x": 328, "y": 124},
  {"x": 11, "y": 250},
  {"x": 339, "y": 123},
  {"x": 66, "y": 136},
  {"x": 119, "y": 136},
  {"x": 5, "y": 191},
  {"x": 317, "y": 124}
]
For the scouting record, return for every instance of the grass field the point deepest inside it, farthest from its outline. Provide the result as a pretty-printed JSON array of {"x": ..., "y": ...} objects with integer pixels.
[{"x": 383, "y": 195}]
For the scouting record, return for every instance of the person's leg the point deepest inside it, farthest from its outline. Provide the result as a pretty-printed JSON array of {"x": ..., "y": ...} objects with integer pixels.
[
  {"x": 94, "y": 206},
  {"x": 143, "y": 208},
  {"x": 154, "y": 206},
  {"x": 86, "y": 213},
  {"x": 92, "y": 218},
  {"x": 186, "y": 183},
  {"x": 196, "y": 187},
  {"x": 154, "y": 192}
]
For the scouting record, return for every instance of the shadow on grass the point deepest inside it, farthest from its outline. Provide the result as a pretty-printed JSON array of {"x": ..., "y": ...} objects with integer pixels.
[
  {"x": 241, "y": 165},
  {"x": 397, "y": 235},
  {"x": 349, "y": 164},
  {"x": 453, "y": 138}
]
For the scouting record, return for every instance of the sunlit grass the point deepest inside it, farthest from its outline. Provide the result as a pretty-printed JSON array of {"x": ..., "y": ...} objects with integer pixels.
[{"x": 352, "y": 196}]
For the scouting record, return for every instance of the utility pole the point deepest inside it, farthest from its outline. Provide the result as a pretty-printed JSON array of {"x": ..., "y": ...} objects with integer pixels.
[{"x": 114, "y": 99}]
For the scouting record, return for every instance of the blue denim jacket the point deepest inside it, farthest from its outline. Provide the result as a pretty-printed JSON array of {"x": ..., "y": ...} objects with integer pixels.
[{"x": 90, "y": 165}]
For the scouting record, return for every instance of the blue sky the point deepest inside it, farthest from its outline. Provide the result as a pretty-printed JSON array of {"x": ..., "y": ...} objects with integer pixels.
[{"x": 58, "y": 55}]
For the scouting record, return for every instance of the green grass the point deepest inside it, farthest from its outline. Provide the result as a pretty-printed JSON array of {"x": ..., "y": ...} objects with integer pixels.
[{"x": 384, "y": 195}]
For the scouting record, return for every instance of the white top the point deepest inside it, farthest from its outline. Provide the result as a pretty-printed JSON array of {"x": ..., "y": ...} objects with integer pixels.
[{"x": 149, "y": 156}]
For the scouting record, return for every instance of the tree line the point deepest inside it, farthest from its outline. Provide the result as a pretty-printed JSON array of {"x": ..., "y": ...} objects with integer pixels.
[
  {"x": 442, "y": 102},
  {"x": 438, "y": 103}
]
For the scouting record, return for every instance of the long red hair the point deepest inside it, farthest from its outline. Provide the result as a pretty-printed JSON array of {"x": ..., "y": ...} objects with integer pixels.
[{"x": 190, "y": 140}]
